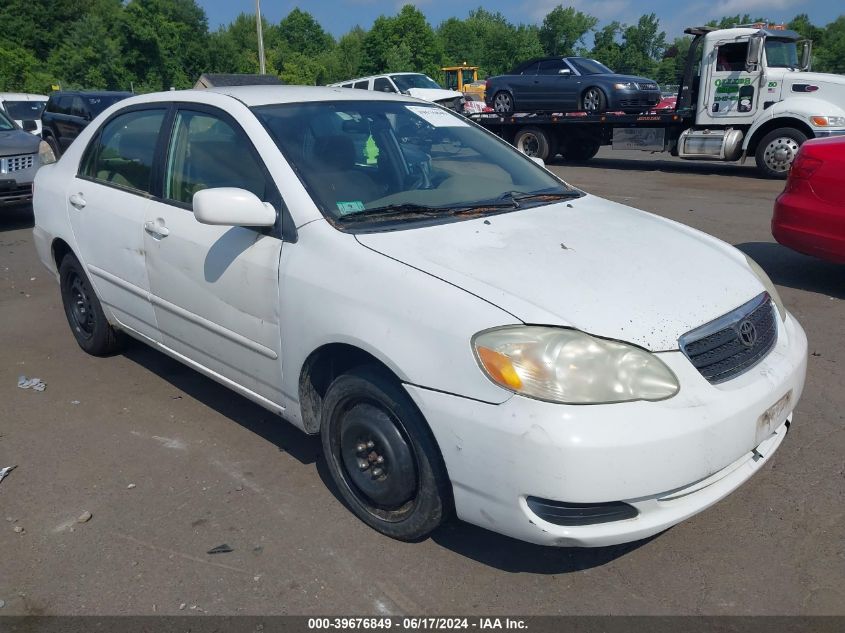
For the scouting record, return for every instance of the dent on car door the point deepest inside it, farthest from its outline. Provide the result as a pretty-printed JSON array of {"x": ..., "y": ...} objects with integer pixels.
[
  {"x": 107, "y": 202},
  {"x": 215, "y": 288}
]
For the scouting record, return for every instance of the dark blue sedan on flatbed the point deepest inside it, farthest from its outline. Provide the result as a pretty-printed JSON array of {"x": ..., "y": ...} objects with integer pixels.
[{"x": 569, "y": 84}]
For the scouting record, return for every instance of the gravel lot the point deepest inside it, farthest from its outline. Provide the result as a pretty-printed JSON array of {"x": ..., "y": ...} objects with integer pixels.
[{"x": 170, "y": 465}]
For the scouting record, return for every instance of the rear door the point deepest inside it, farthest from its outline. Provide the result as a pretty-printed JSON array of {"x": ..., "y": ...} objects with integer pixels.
[
  {"x": 107, "y": 202},
  {"x": 215, "y": 289}
]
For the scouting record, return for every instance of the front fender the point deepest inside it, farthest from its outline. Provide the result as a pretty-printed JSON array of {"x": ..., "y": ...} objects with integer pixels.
[{"x": 796, "y": 108}]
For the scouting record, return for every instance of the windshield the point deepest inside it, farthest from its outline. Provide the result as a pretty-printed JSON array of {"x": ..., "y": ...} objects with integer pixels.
[
  {"x": 101, "y": 102},
  {"x": 5, "y": 123},
  {"x": 589, "y": 66},
  {"x": 781, "y": 54},
  {"x": 381, "y": 159},
  {"x": 406, "y": 82},
  {"x": 24, "y": 110}
]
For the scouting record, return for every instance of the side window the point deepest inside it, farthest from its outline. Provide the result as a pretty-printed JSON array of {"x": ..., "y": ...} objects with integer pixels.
[
  {"x": 362, "y": 85},
  {"x": 530, "y": 70},
  {"x": 122, "y": 152},
  {"x": 77, "y": 107},
  {"x": 731, "y": 57},
  {"x": 346, "y": 85},
  {"x": 382, "y": 84},
  {"x": 63, "y": 106},
  {"x": 205, "y": 152},
  {"x": 551, "y": 67}
]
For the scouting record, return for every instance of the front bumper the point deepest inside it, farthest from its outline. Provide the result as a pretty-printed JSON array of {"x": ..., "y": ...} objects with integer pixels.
[{"x": 669, "y": 459}]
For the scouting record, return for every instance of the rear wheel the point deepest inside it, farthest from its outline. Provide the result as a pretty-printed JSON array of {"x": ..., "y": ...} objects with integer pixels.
[
  {"x": 503, "y": 103},
  {"x": 382, "y": 455},
  {"x": 84, "y": 313},
  {"x": 776, "y": 151},
  {"x": 535, "y": 142},
  {"x": 593, "y": 101},
  {"x": 581, "y": 149}
]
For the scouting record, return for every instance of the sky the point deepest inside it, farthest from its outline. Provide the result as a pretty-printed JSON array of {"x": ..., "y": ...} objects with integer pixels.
[{"x": 338, "y": 16}]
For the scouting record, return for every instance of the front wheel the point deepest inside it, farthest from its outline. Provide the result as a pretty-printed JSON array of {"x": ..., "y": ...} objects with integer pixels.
[
  {"x": 84, "y": 313},
  {"x": 382, "y": 455},
  {"x": 593, "y": 101},
  {"x": 777, "y": 150},
  {"x": 54, "y": 146},
  {"x": 503, "y": 103}
]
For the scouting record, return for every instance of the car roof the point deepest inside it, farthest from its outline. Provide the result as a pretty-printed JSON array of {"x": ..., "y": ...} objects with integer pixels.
[
  {"x": 21, "y": 96},
  {"x": 350, "y": 81},
  {"x": 89, "y": 93},
  {"x": 267, "y": 95}
]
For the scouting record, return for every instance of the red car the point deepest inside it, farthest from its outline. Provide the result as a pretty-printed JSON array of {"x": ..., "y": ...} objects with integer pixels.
[{"x": 810, "y": 213}]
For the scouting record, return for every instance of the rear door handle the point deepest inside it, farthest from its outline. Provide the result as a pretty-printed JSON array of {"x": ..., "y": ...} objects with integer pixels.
[
  {"x": 155, "y": 229},
  {"x": 77, "y": 201}
]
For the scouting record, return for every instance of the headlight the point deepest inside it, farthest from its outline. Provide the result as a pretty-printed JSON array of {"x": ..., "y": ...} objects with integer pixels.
[
  {"x": 568, "y": 366},
  {"x": 768, "y": 285},
  {"x": 45, "y": 153},
  {"x": 828, "y": 121},
  {"x": 626, "y": 85}
]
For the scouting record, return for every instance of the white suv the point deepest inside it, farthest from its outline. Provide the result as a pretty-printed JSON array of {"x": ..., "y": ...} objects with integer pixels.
[
  {"x": 463, "y": 329},
  {"x": 413, "y": 84}
]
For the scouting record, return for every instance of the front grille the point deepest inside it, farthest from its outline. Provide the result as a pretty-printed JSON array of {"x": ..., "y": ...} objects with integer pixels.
[
  {"x": 733, "y": 343},
  {"x": 9, "y": 164},
  {"x": 646, "y": 86}
]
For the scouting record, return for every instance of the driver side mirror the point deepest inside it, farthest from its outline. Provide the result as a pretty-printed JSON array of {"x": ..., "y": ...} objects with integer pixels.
[
  {"x": 806, "y": 54},
  {"x": 231, "y": 206},
  {"x": 754, "y": 54},
  {"x": 564, "y": 71}
]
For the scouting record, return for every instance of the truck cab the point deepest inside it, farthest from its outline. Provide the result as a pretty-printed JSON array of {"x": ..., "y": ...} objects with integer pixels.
[{"x": 752, "y": 94}]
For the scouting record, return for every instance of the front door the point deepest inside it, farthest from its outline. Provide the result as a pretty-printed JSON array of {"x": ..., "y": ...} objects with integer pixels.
[
  {"x": 107, "y": 203},
  {"x": 732, "y": 92},
  {"x": 557, "y": 88},
  {"x": 215, "y": 289}
]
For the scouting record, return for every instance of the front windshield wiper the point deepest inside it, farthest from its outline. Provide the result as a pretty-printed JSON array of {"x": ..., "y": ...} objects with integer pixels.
[
  {"x": 396, "y": 211},
  {"x": 515, "y": 197}
]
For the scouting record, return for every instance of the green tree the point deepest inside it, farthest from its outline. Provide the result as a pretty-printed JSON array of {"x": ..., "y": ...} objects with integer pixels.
[
  {"x": 299, "y": 32},
  {"x": 831, "y": 53},
  {"x": 20, "y": 71},
  {"x": 607, "y": 48},
  {"x": 563, "y": 29},
  {"x": 408, "y": 27}
]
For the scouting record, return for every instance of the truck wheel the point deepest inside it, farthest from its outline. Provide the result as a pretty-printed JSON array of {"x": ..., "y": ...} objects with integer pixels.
[
  {"x": 776, "y": 151},
  {"x": 84, "y": 313},
  {"x": 503, "y": 103},
  {"x": 593, "y": 101},
  {"x": 582, "y": 149},
  {"x": 534, "y": 142},
  {"x": 382, "y": 455}
]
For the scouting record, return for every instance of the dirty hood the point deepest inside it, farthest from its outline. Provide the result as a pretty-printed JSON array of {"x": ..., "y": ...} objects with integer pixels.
[{"x": 590, "y": 263}]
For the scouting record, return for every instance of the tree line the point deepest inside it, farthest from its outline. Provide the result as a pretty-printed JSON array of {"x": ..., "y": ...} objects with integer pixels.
[{"x": 148, "y": 45}]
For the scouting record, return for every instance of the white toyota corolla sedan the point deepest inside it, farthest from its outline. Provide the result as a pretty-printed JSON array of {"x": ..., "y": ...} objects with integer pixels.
[{"x": 465, "y": 331}]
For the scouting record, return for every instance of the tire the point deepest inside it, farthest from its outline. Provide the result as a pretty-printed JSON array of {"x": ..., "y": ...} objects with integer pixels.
[
  {"x": 382, "y": 455},
  {"x": 593, "y": 101},
  {"x": 581, "y": 149},
  {"x": 503, "y": 102},
  {"x": 535, "y": 142},
  {"x": 84, "y": 313},
  {"x": 776, "y": 151}
]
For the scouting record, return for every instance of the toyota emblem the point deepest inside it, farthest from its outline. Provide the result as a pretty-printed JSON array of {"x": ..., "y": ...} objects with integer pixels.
[{"x": 747, "y": 333}]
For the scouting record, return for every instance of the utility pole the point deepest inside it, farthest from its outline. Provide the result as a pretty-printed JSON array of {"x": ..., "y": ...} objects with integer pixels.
[{"x": 262, "y": 69}]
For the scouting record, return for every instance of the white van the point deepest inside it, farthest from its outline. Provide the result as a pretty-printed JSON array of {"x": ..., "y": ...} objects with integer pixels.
[
  {"x": 414, "y": 84},
  {"x": 24, "y": 109}
]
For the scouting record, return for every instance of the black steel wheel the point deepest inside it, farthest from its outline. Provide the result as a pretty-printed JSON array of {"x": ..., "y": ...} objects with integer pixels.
[
  {"x": 503, "y": 102},
  {"x": 382, "y": 455},
  {"x": 84, "y": 313}
]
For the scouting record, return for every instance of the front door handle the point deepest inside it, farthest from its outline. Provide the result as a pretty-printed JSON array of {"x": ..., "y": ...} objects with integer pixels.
[
  {"x": 77, "y": 201},
  {"x": 156, "y": 229}
]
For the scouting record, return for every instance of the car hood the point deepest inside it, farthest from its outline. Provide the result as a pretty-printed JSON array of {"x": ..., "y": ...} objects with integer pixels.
[
  {"x": 592, "y": 264},
  {"x": 433, "y": 94},
  {"x": 18, "y": 142}
]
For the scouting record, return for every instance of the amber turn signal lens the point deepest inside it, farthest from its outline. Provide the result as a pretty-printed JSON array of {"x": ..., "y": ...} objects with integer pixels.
[{"x": 499, "y": 367}]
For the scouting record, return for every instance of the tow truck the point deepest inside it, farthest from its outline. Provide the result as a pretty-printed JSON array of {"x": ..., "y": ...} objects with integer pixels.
[{"x": 745, "y": 91}]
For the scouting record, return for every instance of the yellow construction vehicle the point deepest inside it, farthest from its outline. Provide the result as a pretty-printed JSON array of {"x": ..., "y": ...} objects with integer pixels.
[{"x": 464, "y": 79}]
